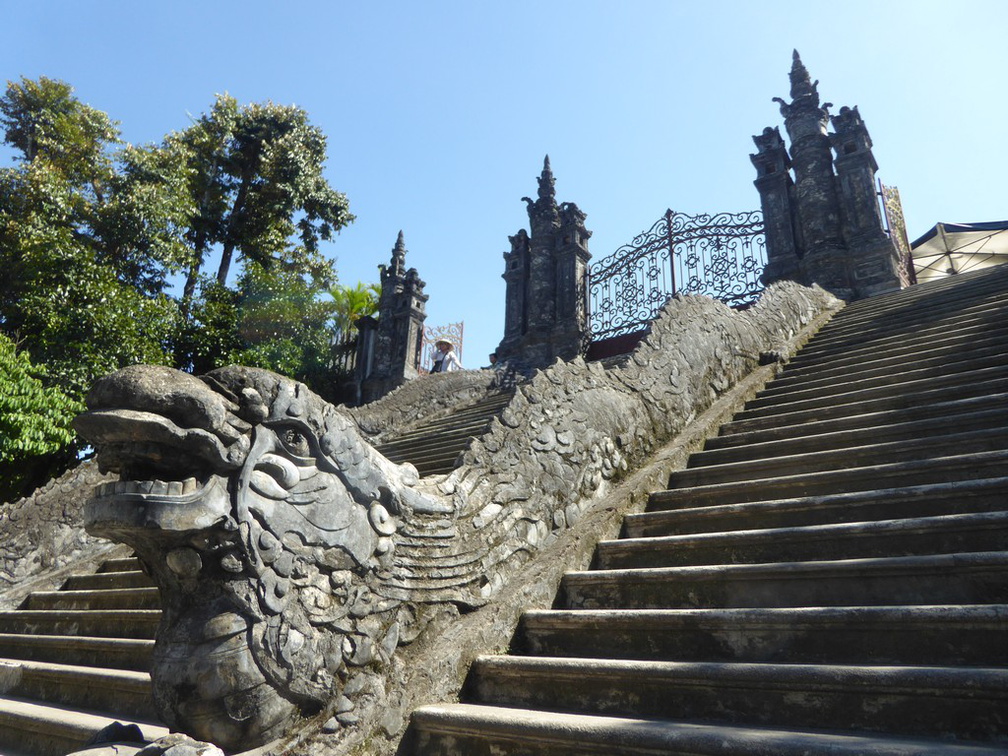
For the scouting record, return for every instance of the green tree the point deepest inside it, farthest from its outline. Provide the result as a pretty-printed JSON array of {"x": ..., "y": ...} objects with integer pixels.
[
  {"x": 85, "y": 238},
  {"x": 351, "y": 303},
  {"x": 35, "y": 432},
  {"x": 257, "y": 184},
  {"x": 276, "y": 318}
]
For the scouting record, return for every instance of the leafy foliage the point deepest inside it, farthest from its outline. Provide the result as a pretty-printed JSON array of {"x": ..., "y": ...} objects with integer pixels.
[
  {"x": 352, "y": 303},
  {"x": 35, "y": 432},
  {"x": 257, "y": 183},
  {"x": 92, "y": 232}
]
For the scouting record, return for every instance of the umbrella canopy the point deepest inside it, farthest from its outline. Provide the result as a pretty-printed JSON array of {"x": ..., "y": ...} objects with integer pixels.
[{"x": 951, "y": 248}]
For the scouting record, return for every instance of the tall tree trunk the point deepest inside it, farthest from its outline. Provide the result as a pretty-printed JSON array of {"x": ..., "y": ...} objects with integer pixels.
[{"x": 229, "y": 241}]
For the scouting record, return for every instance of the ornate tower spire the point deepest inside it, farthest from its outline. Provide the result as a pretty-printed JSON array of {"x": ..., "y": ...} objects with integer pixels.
[
  {"x": 547, "y": 183},
  {"x": 399, "y": 254},
  {"x": 825, "y": 226},
  {"x": 801, "y": 83}
]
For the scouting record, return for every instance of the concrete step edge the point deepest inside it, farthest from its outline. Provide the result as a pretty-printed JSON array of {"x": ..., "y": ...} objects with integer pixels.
[
  {"x": 848, "y": 438},
  {"x": 530, "y": 730},
  {"x": 65, "y": 722},
  {"x": 854, "y": 501},
  {"x": 730, "y": 437},
  {"x": 844, "y": 530},
  {"x": 944, "y": 382},
  {"x": 848, "y": 458},
  {"x": 940, "y": 564}
]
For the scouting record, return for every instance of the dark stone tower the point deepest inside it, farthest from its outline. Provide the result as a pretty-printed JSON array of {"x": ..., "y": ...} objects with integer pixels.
[
  {"x": 823, "y": 227},
  {"x": 776, "y": 189},
  {"x": 545, "y": 309},
  {"x": 389, "y": 346}
]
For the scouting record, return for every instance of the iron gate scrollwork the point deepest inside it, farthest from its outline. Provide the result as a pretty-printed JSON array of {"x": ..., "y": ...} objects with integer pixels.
[{"x": 721, "y": 256}]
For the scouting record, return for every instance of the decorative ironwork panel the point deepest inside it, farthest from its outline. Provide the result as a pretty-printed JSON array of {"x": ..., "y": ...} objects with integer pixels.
[
  {"x": 896, "y": 227},
  {"x": 344, "y": 354},
  {"x": 721, "y": 256},
  {"x": 432, "y": 334}
]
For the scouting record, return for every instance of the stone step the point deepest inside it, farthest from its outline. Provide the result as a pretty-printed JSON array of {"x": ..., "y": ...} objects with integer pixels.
[
  {"x": 101, "y": 581},
  {"x": 115, "y": 598},
  {"x": 981, "y": 495},
  {"x": 940, "y": 351},
  {"x": 472, "y": 415},
  {"x": 954, "y": 408},
  {"x": 962, "y": 578},
  {"x": 43, "y": 730},
  {"x": 122, "y": 564},
  {"x": 433, "y": 466},
  {"x": 959, "y": 467},
  {"x": 431, "y": 448},
  {"x": 866, "y": 353},
  {"x": 119, "y": 653},
  {"x": 907, "y": 449},
  {"x": 949, "y": 382},
  {"x": 120, "y": 623},
  {"x": 845, "y": 333},
  {"x": 855, "y": 321},
  {"x": 125, "y": 693},
  {"x": 984, "y": 420},
  {"x": 964, "y": 635},
  {"x": 971, "y": 702},
  {"x": 447, "y": 433},
  {"x": 894, "y": 381},
  {"x": 862, "y": 349},
  {"x": 922, "y": 303},
  {"x": 886, "y": 373},
  {"x": 945, "y": 534},
  {"x": 453, "y": 729},
  {"x": 993, "y": 382}
]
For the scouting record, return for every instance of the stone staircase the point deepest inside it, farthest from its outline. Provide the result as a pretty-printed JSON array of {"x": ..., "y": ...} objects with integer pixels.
[
  {"x": 75, "y": 660},
  {"x": 433, "y": 447},
  {"x": 828, "y": 576}
]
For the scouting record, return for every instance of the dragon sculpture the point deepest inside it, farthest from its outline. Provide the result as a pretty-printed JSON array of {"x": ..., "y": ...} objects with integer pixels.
[{"x": 270, "y": 527}]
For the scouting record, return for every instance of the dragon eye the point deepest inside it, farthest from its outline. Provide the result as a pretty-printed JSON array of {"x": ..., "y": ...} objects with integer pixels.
[{"x": 294, "y": 442}]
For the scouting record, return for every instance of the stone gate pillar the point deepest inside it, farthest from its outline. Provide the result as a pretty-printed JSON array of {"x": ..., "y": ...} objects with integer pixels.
[
  {"x": 546, "y": 273},
  {"x": 398, "y": 331},
  {"x": 825, "y": 227}
]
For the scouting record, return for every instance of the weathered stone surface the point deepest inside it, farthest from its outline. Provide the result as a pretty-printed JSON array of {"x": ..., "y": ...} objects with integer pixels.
[
  {"x": 41, "y": 535},
  {"x": 297, "y": 565}
]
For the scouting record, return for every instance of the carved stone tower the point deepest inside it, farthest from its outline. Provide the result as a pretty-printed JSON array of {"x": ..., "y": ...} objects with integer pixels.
[
  {"x": 823, "y": 226},
  {"x": 545, "y": 310},
  {"x": 389, "y": 346}
]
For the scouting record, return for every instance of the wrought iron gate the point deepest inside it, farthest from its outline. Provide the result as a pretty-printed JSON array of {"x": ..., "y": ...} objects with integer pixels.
[{"x": 719, "y": 255}]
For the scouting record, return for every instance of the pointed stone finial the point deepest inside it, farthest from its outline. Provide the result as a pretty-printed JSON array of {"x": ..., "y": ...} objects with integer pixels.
[
  {"x": 546, "y": 181},
  {"x": 801, "y": 83},
  {"x": 399, "y": 255}
]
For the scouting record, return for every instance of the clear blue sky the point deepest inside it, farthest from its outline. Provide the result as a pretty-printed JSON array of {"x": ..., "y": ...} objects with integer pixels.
[{"x": 439, "y": 113}]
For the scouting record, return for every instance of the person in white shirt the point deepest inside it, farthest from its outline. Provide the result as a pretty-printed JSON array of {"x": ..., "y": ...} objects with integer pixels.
[{"x": 445, "y": 359}]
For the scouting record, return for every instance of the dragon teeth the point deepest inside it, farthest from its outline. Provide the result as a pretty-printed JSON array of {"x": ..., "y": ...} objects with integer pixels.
[{"x": 150, "y": 487}]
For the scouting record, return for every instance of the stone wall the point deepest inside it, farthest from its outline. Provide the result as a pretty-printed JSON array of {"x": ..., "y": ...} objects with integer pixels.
[{"x": 42, "y": 534}]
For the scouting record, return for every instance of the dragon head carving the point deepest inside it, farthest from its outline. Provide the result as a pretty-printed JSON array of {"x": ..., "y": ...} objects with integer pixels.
[{"x": 269, "y": 526}]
